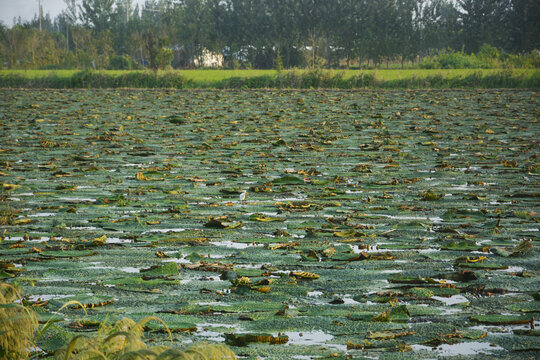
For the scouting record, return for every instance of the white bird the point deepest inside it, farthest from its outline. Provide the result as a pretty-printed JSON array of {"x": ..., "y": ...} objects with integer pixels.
[{"x": 243, "y": 196}]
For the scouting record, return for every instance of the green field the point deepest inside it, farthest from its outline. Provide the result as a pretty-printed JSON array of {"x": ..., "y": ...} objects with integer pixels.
[
  {"x": 218, "y": 75},
  {"x": 451, "y": 78},
  {"x": 342, "y": 224}
]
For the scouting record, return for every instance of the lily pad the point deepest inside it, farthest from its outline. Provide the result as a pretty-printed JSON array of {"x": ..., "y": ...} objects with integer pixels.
[
  {"x": 67, "y": 253},
  {"x": 88, "y": 302},
  {"x": 500, "y": 319},
  {"x": 245, "y": 339},
  {"x": 265, "y": 218},
  {"x": 223, "y": 222},
  {"x": 288, "y": 180},
  {"x": 169, "y": 269}
]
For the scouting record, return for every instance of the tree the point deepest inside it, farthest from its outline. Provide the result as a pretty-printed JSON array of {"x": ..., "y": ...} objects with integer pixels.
[
  {"x": 380, "y": 29},
  {"x": 70, "y": 12},
  {"x": 283, "y": 33},
  {"x": 192, "y": 28},
  {"x": 484, "y": 21},
  {"x": 67, "y": 19},
  {"x": 406, "y": 29},
  {"x": 523, "y": 25},
  {"x": 97, "y": 13},
  {"x": 315, "y": 26},
  {"x": 347, "y": 32},
  {"x": 124, "y": 10},
  {"x": 17, "y": 43},
  {"x": 439, "y": 26},
  {"x": 3, "y": 44},
  {"x": 157, "y": 55}
]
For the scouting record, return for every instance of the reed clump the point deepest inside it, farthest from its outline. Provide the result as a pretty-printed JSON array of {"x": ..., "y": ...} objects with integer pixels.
[
  {"x": 18, "y": 325},
  {"x": 121, "y": 340},
  {"x": 124, "y": 341}
]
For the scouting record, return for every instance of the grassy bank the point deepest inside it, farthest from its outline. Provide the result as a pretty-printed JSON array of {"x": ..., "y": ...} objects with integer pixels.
[{"x": 342, "y": 79}]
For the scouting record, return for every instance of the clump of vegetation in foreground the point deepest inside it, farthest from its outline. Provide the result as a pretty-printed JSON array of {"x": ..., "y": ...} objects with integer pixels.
[
  {"x": 18, "y": 324},
  {"x": 507, "y": 78},
  {"x": 122, "y": 340}
]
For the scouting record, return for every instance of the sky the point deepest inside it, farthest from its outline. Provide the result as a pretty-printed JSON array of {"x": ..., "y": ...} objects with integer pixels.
[{"x": 26, "y": 9}]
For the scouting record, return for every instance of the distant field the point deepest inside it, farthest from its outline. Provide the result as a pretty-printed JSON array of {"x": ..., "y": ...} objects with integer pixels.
[
  {"x": 217, "y": 75},
  {"x": 417, "y": 78}
]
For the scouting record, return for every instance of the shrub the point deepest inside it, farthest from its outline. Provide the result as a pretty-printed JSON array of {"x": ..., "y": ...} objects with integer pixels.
[
  {"x": 458, "y": 60},
  {"x": 164, "y": 58},
  {"x": 529, "y": 60},
  {"x": 120, "y": 62},
  {"x": 489, "y": 57},
  {"x": 140, "y": 79},
  {"x": 278, "y": 62},
  {"x": 450, "y": 59},
  {"x": 172, "y": 80},
  {"x": 312, "y": 79},
  {"x": 363, "y": 80}
]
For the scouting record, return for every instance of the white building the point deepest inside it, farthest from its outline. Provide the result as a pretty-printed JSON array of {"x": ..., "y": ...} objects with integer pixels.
[{"x": 209, "y": 59}]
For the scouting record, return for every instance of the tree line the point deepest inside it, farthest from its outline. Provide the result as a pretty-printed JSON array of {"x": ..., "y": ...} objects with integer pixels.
[{"x": 267, "y": 33}]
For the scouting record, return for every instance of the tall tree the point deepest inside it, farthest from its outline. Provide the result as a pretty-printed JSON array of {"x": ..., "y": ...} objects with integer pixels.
[
  {"x": 193, "y": 26},
  {"x": 314, "y": 27},
  {"x": 67, "y": 19},
  {"x": 282, "y": 32},
  {"x": 523, "y": 25},
  {"x": 483, "y": 22},
  {"x": 347, "y": 33},
  {"x": 407, "y": 35},
  {"x": 439, "y": 26},
  {"x": 380, "y": 29},
  {"x": 70, "y": 12},
  {"x": 97, "y": 14}
]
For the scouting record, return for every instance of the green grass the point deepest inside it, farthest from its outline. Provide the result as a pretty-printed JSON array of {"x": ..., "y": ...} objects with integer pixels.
[
  {"x": 218, "y": 75},
  {"x": 298, "y": 78}
]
